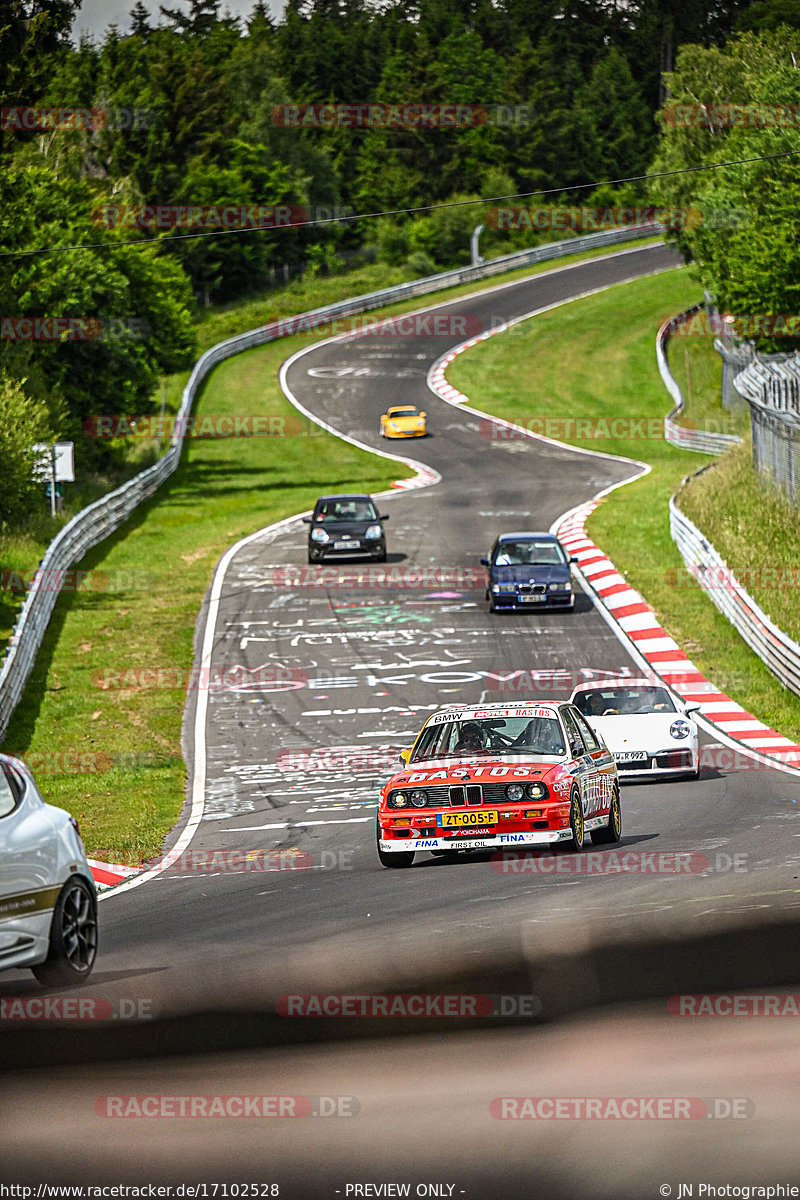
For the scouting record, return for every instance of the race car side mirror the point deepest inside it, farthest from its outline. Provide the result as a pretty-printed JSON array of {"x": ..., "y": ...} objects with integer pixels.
[
  {"x": 404, "y": 756},
  {"x": 692, "y": 708},
  {"x": 423, "y": 414},
  {"x": 573, "y": 560},
  {"x": 484, "y": 562},
  {"x": 385, "y": 517}
]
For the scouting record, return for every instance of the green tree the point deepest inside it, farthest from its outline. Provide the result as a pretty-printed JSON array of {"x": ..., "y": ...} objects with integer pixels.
[{"x": 23, "y": 421}]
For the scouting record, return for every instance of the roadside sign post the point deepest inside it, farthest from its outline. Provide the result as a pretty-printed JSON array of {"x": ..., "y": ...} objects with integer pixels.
[{"x": 54, "y": 464}]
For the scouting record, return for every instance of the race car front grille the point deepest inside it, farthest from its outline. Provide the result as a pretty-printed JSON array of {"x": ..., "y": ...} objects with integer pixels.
[{"x": 536, "y": 588}]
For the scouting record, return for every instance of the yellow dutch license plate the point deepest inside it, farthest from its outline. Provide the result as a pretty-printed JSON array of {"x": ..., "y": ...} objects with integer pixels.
[{"x": 453, "y": 820}]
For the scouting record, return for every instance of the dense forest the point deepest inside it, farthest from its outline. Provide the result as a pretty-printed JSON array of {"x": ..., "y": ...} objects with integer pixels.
[{"x": 108, "y": 146}]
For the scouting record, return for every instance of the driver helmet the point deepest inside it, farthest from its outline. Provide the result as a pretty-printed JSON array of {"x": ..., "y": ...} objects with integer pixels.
[{"x": 471, "y": 737}]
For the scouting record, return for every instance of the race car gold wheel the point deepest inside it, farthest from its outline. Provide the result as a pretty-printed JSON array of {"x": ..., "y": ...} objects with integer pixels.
[
  {"x": 613, "y": 830},
  {"x": 576, "y": 823}
]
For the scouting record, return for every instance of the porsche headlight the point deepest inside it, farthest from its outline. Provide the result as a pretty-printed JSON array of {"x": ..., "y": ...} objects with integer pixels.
[
  {"x": 680, "y": 729},
  {"x": 373, "y": 533},
  {"x": 319, "y": 535}
]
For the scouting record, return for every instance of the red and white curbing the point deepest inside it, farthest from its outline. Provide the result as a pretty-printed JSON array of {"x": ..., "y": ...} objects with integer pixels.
[
  {"x": 663, "y": 654},
  {"x": 625, "y": 608},
  {"x": 108, "y": 875}
]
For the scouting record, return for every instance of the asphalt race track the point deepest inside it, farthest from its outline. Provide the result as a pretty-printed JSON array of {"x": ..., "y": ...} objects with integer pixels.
[
  {"x": 323, "y": 685},
  {"x": 344, "y": 674}
]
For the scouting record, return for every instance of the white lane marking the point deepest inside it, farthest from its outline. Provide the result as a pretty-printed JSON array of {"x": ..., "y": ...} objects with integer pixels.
[{"x": 298, "y": 824}]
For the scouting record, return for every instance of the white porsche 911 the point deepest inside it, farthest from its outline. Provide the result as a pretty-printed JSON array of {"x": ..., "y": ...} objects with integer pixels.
[
  {"x": 649, "y": 730},
  {"x": 48, "y": 902}
]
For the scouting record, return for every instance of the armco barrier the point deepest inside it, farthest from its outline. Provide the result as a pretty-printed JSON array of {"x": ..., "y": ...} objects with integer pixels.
[
  {"x": 774, "y": 647},
  {"x": 98, "y": 520},
  {"x": 678, "y": 435}
]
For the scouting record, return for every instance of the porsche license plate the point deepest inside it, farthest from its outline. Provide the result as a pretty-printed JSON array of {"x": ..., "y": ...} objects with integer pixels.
[
  {"x": 631, "y": 756},
  {"x": 453, "y": 820}
]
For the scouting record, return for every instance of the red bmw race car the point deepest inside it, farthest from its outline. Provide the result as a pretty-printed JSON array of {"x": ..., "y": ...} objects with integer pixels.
[{"x": 500, "y": 776}]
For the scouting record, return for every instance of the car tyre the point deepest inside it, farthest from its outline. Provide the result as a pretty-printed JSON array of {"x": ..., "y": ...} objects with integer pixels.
[
  {"x": 577, "y": 841},
  {"x": 392, "y": 860},
  {"x": 613, "y": 830},
  {"x": 73, "y": 936}
]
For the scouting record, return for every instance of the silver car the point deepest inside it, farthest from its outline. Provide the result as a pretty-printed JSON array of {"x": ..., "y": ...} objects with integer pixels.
[{"x": 48, "y": 901}]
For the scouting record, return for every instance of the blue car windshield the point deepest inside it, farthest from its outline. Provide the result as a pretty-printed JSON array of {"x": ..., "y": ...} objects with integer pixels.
[{"x": 529, "y": 554}]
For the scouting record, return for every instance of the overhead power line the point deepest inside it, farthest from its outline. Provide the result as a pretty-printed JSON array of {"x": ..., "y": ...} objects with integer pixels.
[{"x": 143, "y": 243}]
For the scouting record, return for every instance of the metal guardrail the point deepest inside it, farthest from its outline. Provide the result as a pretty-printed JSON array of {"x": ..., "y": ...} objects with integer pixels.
[
  {"x": 700, "y": 440},
  {"x": 775, "y": 648},
  {"x": 98, "y": 520},
  {"x": 772, "y": 390}
]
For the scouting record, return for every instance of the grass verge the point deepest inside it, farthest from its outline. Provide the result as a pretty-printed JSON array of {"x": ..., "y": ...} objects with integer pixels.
[{"x": 564, "y": 364}]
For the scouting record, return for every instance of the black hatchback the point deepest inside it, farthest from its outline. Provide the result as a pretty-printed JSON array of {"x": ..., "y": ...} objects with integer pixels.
[{"x": 346, "y": 525}]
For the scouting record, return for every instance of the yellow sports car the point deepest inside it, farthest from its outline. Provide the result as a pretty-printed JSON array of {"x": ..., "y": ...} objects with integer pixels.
[{"x": 403, "y": 421}]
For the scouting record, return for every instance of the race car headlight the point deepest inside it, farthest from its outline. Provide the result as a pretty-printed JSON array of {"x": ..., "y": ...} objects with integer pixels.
[
  {"x": 373, "y": 532},
  {"x": 514, "y": 792},
  {"x": 504, "y": 587},
  {"x": 536, "y": 791},
  {"x": 559, "y": 587},
  {"x": 397, "y": 800},
  {"x": 319, "y": 535},
  {"x": 419, "y": 798},
  {"x": 680, "y": 729}
]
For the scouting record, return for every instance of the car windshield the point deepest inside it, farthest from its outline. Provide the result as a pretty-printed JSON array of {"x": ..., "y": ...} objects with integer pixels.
[
  {"x": 495, "y": 736},
  {"x": 346, "y": 510},
  {"x": 402, "y": 412},
  {"x": 624, "y": 702},
  {"x": 529, "y": 553}
]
